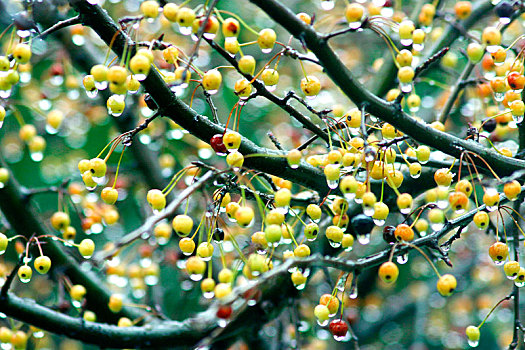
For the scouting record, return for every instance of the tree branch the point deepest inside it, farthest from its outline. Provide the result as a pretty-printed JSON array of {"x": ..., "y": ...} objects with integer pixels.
[{"x": 388, "y": 112}]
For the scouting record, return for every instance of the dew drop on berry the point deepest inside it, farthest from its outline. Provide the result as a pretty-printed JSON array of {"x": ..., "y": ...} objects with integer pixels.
[
  {"x": 196, "y": 277},
  {"x": 363, "y": 239},
  {"x": 327, "y": 5},
  {"x": 473, "y": 343},
  {"x": 379, "y": 222},
  {"x": 334, "y": 244},
  {"x": 332, "y": 183},
  {"x": 353, "y": 292},
  {"x": 402, "y": 259}
]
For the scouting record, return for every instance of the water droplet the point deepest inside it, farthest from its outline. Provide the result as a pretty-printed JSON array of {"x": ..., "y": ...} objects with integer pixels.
[
  {"x": 332, "y": 183},
  {"x": 354, "y": 25},
  {"x": 499, "y": 262},
  {"x": 405, "y": 210},
  {"x": 418, "y": 47},
  {"x": 5, "y": 93},
  {"x": 222, "y": 323},
  {"x": 402, "y": 259},
  {"x": 349, "y": 196},
  {"x": 185, "y": 30},
  {"x": 517, "y": 118},
  {"x": 437, "y": 226},
  {"x": 327, "y": 5},
  {"x": 353, "y": 292},
  {"x": 493, "y": 48},
  {"x": 78, "y": 40},
  {"x": 473, "y": 343},
  {"x": 406, "y": 87},
  {"x": 499, "y": 96},
  {"x": 363, "y": 239},
  {"x": 379, "y": 222},
  {"x": 519, "y": 284},
  {"x": 208, "y": 295},
  {"x": 334, "y": 244},
  {"x": 93, "y": 2},
  {"x": 101, "y": 85},
  {"x": 92, "y": 93},
  {"x": 415, "y": 176},
  {"x": 37, "y": 156},
  {"x": 491, "y": 208},
  {"x": 406, "y": 42},
  {"x": 196, "y": 277},
  {"x": 323, "y": 323},
  {"x": 368, "y": 211}
]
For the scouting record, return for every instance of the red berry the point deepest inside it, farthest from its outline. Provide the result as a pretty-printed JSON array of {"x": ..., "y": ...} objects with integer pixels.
[
  {"x": 338, "y": 328},
  {"x": 224, "y": 311},
  {"x": 218, "y": 145}
]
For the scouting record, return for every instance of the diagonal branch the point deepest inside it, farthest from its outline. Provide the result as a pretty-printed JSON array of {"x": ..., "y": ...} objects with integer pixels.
[{"x": 388, "y": 112}]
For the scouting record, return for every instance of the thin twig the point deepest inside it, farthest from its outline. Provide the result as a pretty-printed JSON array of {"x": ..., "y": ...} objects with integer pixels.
[
  {"x": 153, "y": 220},
  {"x": 62, "y": 24}
]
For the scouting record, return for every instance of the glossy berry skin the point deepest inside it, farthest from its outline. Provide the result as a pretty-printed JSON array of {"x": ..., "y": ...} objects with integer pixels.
[
  {"x": 458, "y": 200},
  {"x": 273, "y": 233},
  {"x": 170, "y": 11},
  {"x": 475, "y": 52},
  {"x": 354, "y": 12},
  {"x": 491, "y": 36},
  {"x": 362, "y": 224},
  {"x": 512, "y": 189},
  {"x": 86, "y": 248},
  {"x": 491, "y": 197},
  {"x": 472, "y": 333},
  {"x": 4, "y": 241},
  {"x": 511, "y": 269},
  {"x": 481, "y": 219},
  {"x": 403, "y": 232},
  {"x": 182, "y": 224},
  {"x": 231, "y": 27},
  {"x": 187, "y": 245},
  {"x": 216, "y": 142},
  {"x": 77, "y": 292},
  {"x": 224, "y": 312},
  {"x": 322, "y": 313},
  {"x": 212, "y": 80},
  {"x": 331, "y": 302},
  {"x": 516, "y": 80},
  {"x": 22, "y": 53},
  {"x": 302, "y": 251},
  {"x": 311, "y": 231},
  {"x": 24, "y": 273},
  {"x": 338, "y": 328},
  {"x": 310, "y": 85},
  {"x": 334, "y": 234},
  {"x": 443, "y": 177},
  {"x": 446, "y": 285},
  {"x": 231, "y": 140},
  {"x": 109, "y": 195},
  {"x": 247, "y": 64},
  {"x": 266, "y": 39},
  {"x": 498, "y": 252},
  {"x": 222, "y": 290},
  {"x": 60, "y": 220},
  {"x": 388, "y": 272},
  {"x": 156, "y": 199},
  {"x": 205, "y": 250},
  {"x": 140, "y": 64},
  {"x": 244, "y": 216},
  {"x": 97, "y": 167},
  {"x": 405, "y": 75},
  {"x": 388, "y": 234},
  {"x": 42, "y": 264},
  {"x": 115, "y": 303}
]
